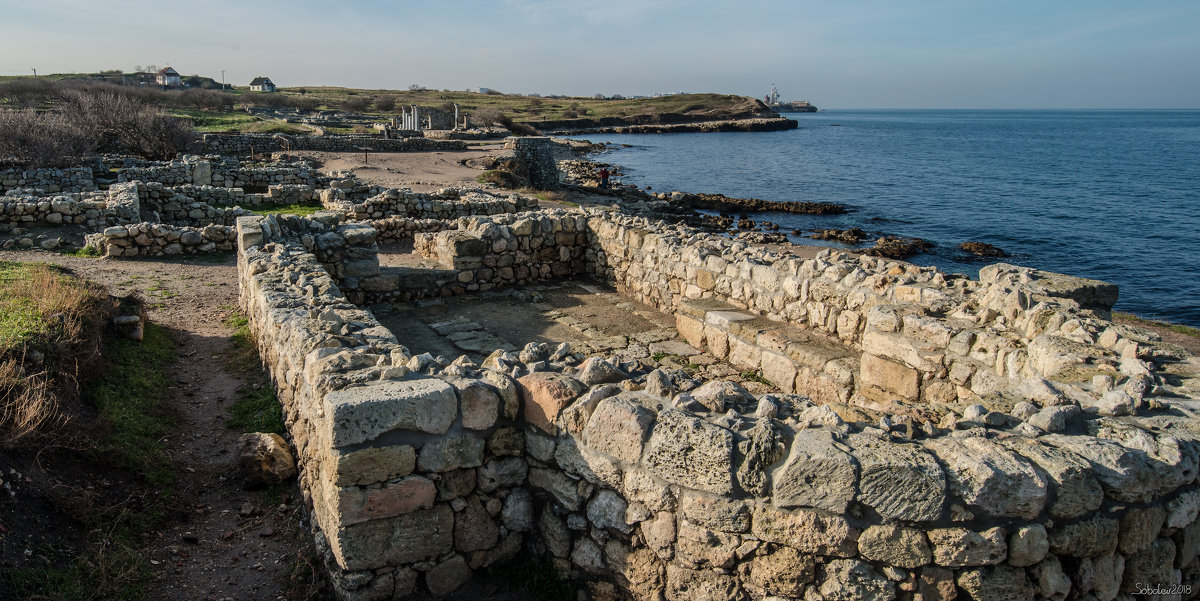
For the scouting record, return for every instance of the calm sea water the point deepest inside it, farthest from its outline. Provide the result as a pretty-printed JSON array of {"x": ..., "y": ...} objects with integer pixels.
[{"x": 1111, "y": 195}]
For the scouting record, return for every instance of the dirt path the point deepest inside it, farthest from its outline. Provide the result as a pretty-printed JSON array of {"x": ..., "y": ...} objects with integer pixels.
[
  {"x": 224, "y": 543},
  {"x": 420, "y": 171}
]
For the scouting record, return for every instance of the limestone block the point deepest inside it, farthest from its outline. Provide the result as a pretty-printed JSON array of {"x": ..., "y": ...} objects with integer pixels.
[
  {"x": 1028, "y": 545},
  {"x": 1100, "y": 576},
  {"x": 372, "y": 464},
  {"x": 691, "y": 329},
  {"x": 717, "y": 341},
  {"x": 895, "y": 545},
  {"x": 505, "y": 472},
  {"x": 474, "y": 529},
  {"x": 818, "y": 473},
  {"x": 996, "y": 583},
  {"x": 935, "y": 584},
  {"x": 480, "y": 404},
  {"x": 744, "y": 354},
  {"x": 698, "y": 548},
  {"x": 517, "y": 512},
  {"x": 713, "y": 512},
  {"x": 1123, "y": 473},
  {"x": 545, "y": 394},
  {"x": 447, "y": 576},
  {"x": 1089, "y": 538},
  {"x": 687, "y": 585},
  {"x": 806, "y": 531},
  {"x": 1138, "y": 528},
  {"x": 884, "y": 379},
  {"x": 779, "y": 369},
  {"x": 690, "y": 452},
  {"x": 359, "y": 414},
  {"x": 852, "y": 580},
  {"x": 988, "y": 476},
  {"x": 898, "y": 480},
  {"x": 386, "y": 500},
  {"x": 1151, "y": 567},
  {"x": 559, "y": 485},
  {"x": 959, "y": 547},
  {"x": 264, "y": 459},
  {"x": 1050, "y": 580},
  {"x": 782, "y": 572},
  {"x": 1077, "y": 491},
  {"x": 408, "y": 538},
  {"x": 451, "y": 453},
  {"x": 619, "y": 427}
]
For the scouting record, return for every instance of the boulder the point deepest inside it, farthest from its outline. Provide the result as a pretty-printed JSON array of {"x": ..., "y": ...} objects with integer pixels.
[{"x": 265, "y": 459}]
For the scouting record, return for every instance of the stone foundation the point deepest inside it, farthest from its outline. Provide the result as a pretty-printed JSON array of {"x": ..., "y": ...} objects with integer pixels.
[{"x": 946, "y": 438}]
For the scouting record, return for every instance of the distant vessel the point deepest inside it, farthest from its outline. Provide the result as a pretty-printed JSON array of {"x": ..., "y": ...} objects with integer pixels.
[{"x": 796, "y": 106}]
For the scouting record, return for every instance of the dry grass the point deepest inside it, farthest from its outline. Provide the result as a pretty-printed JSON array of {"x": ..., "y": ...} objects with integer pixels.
[{"x": 49, "y": 322}]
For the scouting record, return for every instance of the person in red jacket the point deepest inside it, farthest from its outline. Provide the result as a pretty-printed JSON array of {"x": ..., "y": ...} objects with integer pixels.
[{"x": 604, "y": 177}]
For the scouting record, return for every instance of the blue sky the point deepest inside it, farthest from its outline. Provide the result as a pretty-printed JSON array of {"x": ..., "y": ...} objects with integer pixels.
[{"x": 848, "y": 54}]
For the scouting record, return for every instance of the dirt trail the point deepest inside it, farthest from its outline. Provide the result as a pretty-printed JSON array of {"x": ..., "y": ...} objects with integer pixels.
[{"x": 225, "y": 543}]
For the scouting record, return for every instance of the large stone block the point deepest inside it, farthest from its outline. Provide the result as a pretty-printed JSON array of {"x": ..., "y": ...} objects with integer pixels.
[
  {"x": 959, "y": 547},
  {"x": 988, "y": 476},
  {"x": 545, "y": 395},
  {"x": 690, "y": 452},
  {"x": 783, "y": 572},
  {"x": 451, "y": 453},
  {"x": 691, "y": 329},
  {"x": 884, "y": 379},
  {"x": 1077, "y": 492},
  {"x": 1089, "y": 538},
  {"x": 853, "y": 580},
  {"x": 688, "y": 585},
  {"x": 372, "y": 464},
  {"x": 388, "y": 500},
  {"x": 895, "y": 545},
  {"x": 1125, "y": 473},
  {"x": 417, "y": 536},
  {"x": 818, "y": 473},
  {"x": 806, "y": 531},
  {"x": 363, "y": 413},
  {"x": 900, "y": 481},
  {"x": 996, "y": 583},
  {"x": 619, "y": 426}
]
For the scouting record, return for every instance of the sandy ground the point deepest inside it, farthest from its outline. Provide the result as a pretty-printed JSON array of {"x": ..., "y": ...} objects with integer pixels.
[{"x": 420, "y": 171}]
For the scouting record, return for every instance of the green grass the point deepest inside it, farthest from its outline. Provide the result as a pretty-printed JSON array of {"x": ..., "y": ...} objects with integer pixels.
[
  {"x": 1174, "y": 327},
  {"x": 254, "y": 410},
  {"x": 130, "y": 396},
  {"x": 754, "y": 376},
  {"x": 297, "y": 209},
  {"x": 85, "y": 251},
  {"x": 217, "y": 121}
]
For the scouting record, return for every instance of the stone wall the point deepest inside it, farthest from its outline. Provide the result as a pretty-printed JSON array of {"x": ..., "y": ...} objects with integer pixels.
[
  {"x": 161, "y": 240},
  {"x": 91, "y": 209},
  {"x": 47, "y": 181},
  {"x": 540, "y": 157},
  {"x": 657, "y": 486},
  {"x": 221, "y": 172},
  {"x": 241, "y": 144},
  {"x": 449, "y": 203}
]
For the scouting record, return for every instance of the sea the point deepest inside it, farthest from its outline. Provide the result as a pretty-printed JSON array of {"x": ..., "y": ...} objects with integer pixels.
[{"x": 1112, "y": 195}]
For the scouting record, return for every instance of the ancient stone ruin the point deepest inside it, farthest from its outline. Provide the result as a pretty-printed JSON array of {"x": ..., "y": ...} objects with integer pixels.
[
  {"x": 934, "y": 437},
  {"x": 931, "y": 437}
]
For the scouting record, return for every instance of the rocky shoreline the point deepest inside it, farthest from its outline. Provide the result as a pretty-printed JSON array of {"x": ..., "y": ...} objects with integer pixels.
[{"x": 724, "y": 125}]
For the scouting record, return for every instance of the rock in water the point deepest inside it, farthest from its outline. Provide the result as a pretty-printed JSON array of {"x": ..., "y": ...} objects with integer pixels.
[
  {"x": 265, "y": 459},
  {"x": 982, "y": 249}
]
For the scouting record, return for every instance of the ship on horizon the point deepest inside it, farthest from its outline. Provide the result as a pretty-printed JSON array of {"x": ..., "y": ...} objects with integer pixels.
[{"x": 796, "y": 106}]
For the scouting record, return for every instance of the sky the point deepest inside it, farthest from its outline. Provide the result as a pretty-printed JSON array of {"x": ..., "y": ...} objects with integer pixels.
[{"x": 837, "y": 54}]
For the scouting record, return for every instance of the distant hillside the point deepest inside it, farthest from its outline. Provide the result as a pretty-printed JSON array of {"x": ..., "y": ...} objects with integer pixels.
[{"x": 214, "y": 109}]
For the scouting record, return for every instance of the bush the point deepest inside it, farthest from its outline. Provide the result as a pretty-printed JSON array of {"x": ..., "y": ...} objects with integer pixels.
[
  {"x": 385, "y": 103},
  {"x": 357, "y": 104},
  {"x": 41, "y": 140}
]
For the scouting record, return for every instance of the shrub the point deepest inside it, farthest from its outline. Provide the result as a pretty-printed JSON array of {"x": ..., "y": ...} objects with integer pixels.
[
  {"x": 41, "y": 140},
  {"x": 357, "y": 104},
  {"x": 385, "y": 103}
]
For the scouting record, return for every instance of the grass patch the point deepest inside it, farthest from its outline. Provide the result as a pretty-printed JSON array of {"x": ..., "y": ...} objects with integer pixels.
[
  {"x": 129, "y": 395},
  {"x": 1154, "y": 323},
  {"x": 49, "y": 322},
  {"x": 84, "y": 251},
  {"x": 535, "y": 577},
  {"x": 755, "y": 376},
  {"x": 131, "y": 422},
  {"x": 296, "y": 209},
  {"x": 257, "y": 408}
]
